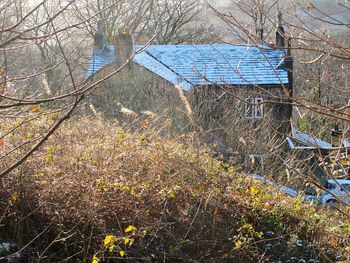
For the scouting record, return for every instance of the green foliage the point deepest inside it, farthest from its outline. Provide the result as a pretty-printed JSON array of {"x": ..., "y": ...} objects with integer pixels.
[{"x": 303, "y": 124}]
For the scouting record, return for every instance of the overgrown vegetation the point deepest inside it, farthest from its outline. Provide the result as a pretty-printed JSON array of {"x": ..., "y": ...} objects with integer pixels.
[{"x": 97, "y": 193}]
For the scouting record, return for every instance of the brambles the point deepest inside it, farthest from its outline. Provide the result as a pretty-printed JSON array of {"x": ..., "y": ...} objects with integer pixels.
[{"x": 111, "y": 196}]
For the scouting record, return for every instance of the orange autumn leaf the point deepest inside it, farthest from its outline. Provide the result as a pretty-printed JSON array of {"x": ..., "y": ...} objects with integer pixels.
[
  {"x": 14, "y": 197},
  {"x": 2, "y": 142},
  {"x": 36, "y": 109},
  {"x": 145, "y": 123}
]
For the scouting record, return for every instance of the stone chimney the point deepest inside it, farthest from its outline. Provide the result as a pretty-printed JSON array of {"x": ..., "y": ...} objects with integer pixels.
[
  {"x": 261, "y": 33},
  {"x": 289, "y": 64},
  {"x": 289, "y": 61},
  {"x": 123, "y": 46},
  {"x": 100, "y": 36},
  {"x": 336, "y": 136},
  {"x": 280, "y": 41}
]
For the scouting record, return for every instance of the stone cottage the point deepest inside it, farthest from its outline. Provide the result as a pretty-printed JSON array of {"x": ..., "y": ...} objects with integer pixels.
[{"x": 241, "y": 84}]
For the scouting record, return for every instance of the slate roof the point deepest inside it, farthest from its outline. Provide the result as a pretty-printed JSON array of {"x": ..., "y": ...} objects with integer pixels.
[
  {"x": 197, "y": 65},
  {"x": 307, "y": 140}
]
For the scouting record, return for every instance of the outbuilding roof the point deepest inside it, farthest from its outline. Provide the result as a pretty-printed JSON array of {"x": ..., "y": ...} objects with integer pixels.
[
  {"x": 198, "y": 65},
  {"x": 307, "y": 141}
]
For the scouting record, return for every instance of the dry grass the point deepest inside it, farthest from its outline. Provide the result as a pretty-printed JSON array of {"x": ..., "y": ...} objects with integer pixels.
[{"x": 78, "y": 195}]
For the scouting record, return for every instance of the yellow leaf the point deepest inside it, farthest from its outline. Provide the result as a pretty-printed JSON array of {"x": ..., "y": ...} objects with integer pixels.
[
  {"x": 111, "y": 248},
  {"x": 95, "y": 259},
  {"x": 36, "y": 109},
  {"x": 126, "y": 240},
  {"x": 48, "y": 158},
  {"x": 44, "y": 182},
  {"x": 238, "y": 244},
  {"x": 28, "y": 135},
  {"x": 130, "y": 228},
  {"x": 118, "y": 185},
  {"x": 50, "y": 149},
  {"x": 122, "y": 253},
  {"x": 253, "y": 190},
  {"x": 109, "y": 240},
  {"x": 121, "y": 135},
  {"x": 172, "y": 194}
]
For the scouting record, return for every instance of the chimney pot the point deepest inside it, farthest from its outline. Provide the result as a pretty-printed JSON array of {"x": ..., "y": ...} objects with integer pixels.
[
  {"x": 100, "y": 36},
  {"x": 280, "y": 41}
]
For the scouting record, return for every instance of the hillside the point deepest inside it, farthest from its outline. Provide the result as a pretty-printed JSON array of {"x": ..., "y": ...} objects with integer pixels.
[
  {"x": 97, "y": 193},
  {"x": 334, "y": 12}
]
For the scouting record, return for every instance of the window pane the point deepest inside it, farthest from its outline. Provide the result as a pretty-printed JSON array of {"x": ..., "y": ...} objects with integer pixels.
[
  {"x": 259, "y": 108},
  {"x": 254, "y": 107},
  {"x": 249, "y": 108}
]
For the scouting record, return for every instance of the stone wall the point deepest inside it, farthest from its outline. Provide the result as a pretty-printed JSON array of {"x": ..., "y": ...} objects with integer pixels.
[
  {"x": 216, "y": 113},
  {"x": 140, "y": 91}
]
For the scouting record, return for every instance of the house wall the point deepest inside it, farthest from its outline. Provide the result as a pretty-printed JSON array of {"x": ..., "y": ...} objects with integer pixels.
[
  {"x": 220, "y": 112},
  {"x": 217, "y": 112},
  {"x": 137, "y": 89},
  {"x": 225, "y": 101}
]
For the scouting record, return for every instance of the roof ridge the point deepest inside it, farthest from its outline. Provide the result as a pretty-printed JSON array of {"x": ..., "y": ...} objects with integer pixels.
[
  {"x": 152, "y": 56},
  {"x": 261, "y": 46}
]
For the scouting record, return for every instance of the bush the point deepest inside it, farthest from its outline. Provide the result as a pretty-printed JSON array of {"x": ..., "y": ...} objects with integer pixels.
[{"x": 97, "y": 193}]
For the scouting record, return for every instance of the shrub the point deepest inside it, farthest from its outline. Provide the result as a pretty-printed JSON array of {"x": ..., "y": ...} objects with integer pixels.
[{"x": 97, "y": 193}]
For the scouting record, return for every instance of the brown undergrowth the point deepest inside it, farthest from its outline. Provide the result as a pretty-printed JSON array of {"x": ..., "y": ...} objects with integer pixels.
[{"x": 97, "y": 193}]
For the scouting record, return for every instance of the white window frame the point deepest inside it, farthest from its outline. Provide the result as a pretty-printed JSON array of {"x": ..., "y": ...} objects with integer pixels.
[{"x": 254, "y": 107}]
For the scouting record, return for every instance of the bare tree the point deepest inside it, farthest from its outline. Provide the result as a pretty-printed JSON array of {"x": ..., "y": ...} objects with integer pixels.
[
  {"x": 117, "y": 14},
  {"x": 317, "y": 42},
  {"x": 259, "y": 11},
  {"x": 174, "y": 21},
  {"x": 37, "y": 84}
]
